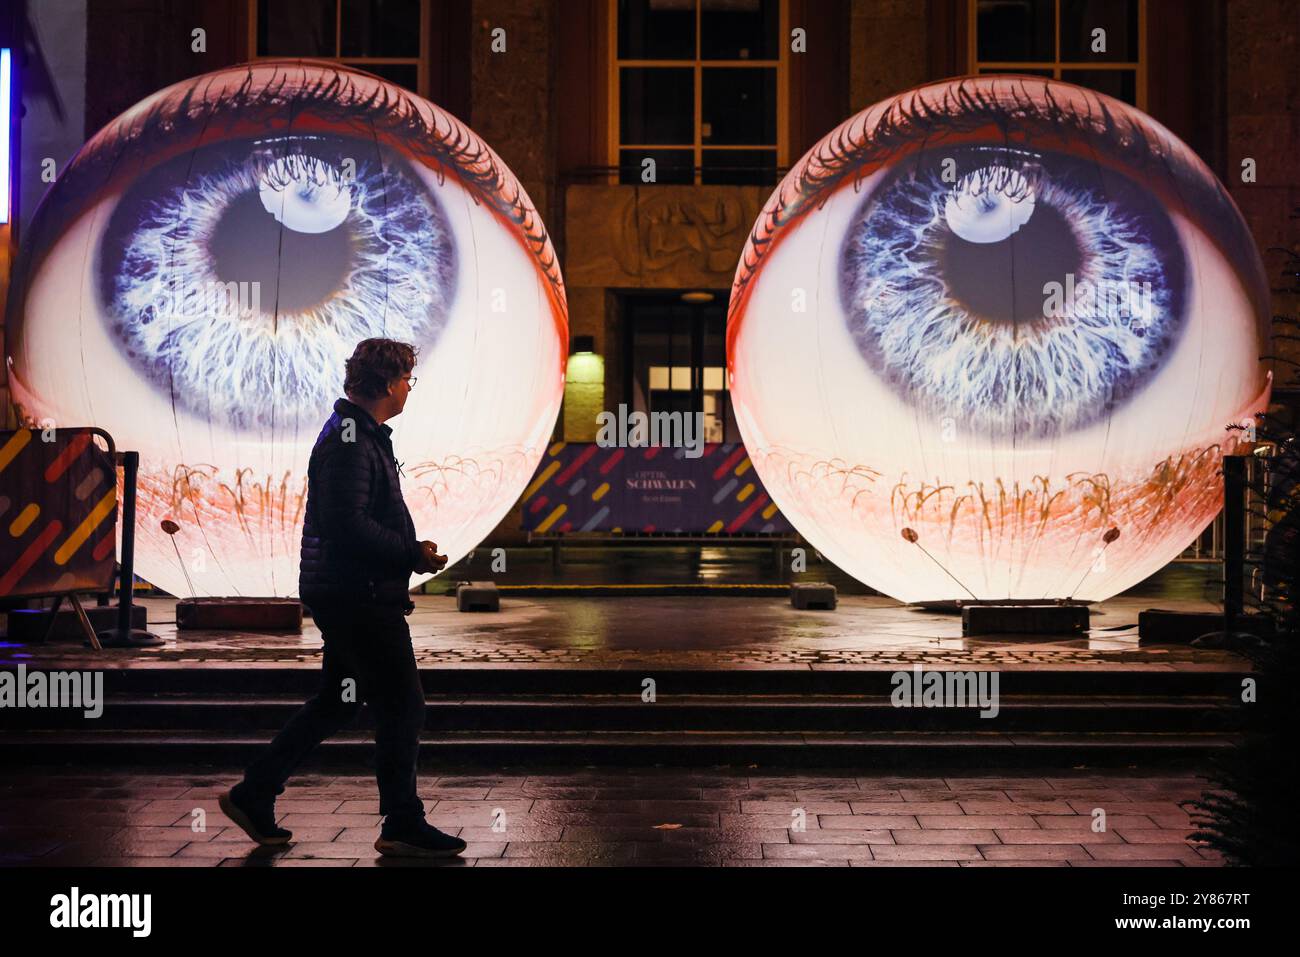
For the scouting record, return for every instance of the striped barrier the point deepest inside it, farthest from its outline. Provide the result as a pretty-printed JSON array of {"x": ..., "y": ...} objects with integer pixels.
[{"x": 58, "y": 512}]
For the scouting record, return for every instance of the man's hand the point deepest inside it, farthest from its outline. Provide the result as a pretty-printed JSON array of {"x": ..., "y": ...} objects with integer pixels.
[{"x": 431, "y": 561}]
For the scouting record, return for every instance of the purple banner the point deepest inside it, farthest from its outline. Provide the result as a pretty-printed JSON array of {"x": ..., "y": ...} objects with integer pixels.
[{"x": 581, "y": 487}]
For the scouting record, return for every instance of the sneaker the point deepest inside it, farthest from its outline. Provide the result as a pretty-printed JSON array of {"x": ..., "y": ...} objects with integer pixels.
[
  {"x": 421, "y": 839},
  {"x": 255, "y": 818}
]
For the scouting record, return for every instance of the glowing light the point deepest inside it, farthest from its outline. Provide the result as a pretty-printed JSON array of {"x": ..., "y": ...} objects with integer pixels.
[
  {"x": 6, "y": 118},
  {"x": 1013, "y": 382},
  {"x": 307, "y": 196},
  {"x": 989, "y": 205},
  {"x": 198, "y": 300}
]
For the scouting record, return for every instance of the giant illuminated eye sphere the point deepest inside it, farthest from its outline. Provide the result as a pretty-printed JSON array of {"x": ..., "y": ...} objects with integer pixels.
[
  {"x": 196, "y": 278},
  {"x": 1000, "y": 316}
]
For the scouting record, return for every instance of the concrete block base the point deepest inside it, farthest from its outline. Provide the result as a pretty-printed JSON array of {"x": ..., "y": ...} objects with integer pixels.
[
  {"x": 477, "y": 596},
  {"x": 1158, "y": 627},
  {"x": 1022, "y": 619},
  {"x": 813, "y": 595},
  {"x": 239, "y": 614}
]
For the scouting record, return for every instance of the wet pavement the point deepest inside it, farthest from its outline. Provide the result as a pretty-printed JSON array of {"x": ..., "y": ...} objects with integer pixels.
[
  {"x": 678, "y": 631},
  {"x": 715, "y": 632},
  {"x": 622, "y": 817},
  {"x": 688, "y": 632},
  {"x": 726, "y": 816}
]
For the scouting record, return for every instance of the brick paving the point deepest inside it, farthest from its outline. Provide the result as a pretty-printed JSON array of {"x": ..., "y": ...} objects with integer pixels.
[{"x": 621, "y": 817}]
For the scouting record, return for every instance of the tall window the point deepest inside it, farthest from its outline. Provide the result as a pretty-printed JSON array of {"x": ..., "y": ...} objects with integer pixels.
[
  {"x": 384, "y": 37},
  {"x": 1099, "y": 44},
  {"x": 698, "y": 89},
  {"x": 676, "y": 354}
]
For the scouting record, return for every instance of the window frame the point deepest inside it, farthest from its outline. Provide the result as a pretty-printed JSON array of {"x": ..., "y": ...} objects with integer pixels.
[
  {"x": 1056, "y": 65},
  {"x": 421, "y": 61},
  {"x": 614, "y": 98}
]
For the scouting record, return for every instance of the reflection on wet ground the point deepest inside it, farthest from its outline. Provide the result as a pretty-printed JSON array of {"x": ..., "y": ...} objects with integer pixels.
[
  {"x": 647, "y": 816},
  {"x": 719, "y": 631},
  {"x": 623, "y": 817},
  {"x": 672, "y": 565}
]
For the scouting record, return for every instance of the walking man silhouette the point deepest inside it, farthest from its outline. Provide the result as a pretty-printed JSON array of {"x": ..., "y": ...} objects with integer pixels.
[{"x": 359, "y": 550}]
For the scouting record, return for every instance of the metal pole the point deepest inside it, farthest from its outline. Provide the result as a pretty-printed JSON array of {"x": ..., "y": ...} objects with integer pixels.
[
  {"x": 123, "y": 635},
  {"x": 1234, "y": 538},
  {"x": 126, "y": 588}
]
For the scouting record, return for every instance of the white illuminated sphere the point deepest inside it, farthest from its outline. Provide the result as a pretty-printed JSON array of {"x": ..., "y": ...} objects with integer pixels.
[
  {"x": 985, "y": 322},
  {"x": 196, "y": 278}
]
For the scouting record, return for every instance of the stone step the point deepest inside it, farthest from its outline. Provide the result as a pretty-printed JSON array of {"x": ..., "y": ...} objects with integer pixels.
[
  {"x": 776, "y": 713},
  {"x": 558, "y": 679},
  {"x": 912, "y": 749}
]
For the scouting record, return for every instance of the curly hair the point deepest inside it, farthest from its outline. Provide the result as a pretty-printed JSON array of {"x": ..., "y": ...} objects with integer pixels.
[{"x": 374, "y": 364}]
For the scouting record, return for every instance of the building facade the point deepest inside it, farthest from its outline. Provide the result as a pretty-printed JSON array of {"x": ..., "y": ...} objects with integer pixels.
[{"x": 649, "y": 133}]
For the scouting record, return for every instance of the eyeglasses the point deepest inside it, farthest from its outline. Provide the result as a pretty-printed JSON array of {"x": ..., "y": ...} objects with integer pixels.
[{"x": 410, "y": 380}]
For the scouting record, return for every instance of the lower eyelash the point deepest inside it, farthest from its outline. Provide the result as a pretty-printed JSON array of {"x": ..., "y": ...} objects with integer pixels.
[
  {"x": 212, "y": 361},
  {"x": 996, "y": 378}
]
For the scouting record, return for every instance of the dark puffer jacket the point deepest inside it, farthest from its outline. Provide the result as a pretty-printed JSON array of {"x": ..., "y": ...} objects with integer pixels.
[{"x": 358, "y": 540}]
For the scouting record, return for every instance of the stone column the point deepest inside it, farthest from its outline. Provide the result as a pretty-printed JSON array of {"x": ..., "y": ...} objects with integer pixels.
[
  {"x": 510, "y": 107},
  {"x": 888, "y": 49},
  {"x": 1263, "y": 93},
  {"x": 511, "y": 90}
]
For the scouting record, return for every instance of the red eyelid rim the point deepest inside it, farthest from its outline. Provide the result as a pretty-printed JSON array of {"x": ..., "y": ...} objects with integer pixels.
[
  {"x": 529, "y": 232},
  {"x": 771, "y": 233}
]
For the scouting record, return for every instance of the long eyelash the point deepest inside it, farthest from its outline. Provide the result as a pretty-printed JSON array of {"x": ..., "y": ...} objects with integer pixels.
[
  {"x": 332, "y": 96},
  {"x": 855, "y": 147}
]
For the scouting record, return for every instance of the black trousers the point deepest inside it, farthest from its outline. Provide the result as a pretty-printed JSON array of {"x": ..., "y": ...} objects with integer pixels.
[{"x": 368, "y": 657}]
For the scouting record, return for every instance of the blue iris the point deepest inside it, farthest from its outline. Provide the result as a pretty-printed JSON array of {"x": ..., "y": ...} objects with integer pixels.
[
  {"x": 1021, "y": 293},
  {"x": 239, "y": 277}
]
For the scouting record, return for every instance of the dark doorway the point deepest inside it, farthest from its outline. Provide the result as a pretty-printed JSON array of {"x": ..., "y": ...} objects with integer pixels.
[{"x": 675, "y": 349}]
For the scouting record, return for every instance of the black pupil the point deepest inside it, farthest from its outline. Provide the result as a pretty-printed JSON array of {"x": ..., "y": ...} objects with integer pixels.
[
  {"x": 1003, "y": 281},
  {"x": 249, "y": 244}
]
